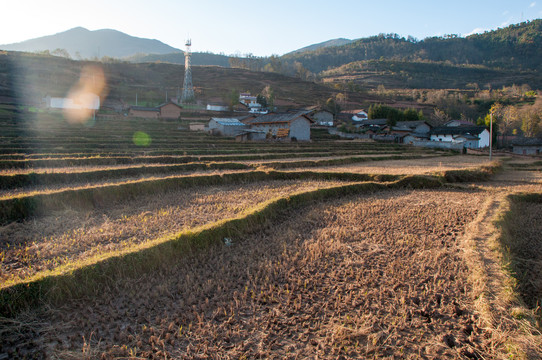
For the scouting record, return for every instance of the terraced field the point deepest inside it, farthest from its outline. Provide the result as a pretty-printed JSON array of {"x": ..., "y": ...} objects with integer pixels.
[{"x": 136, "y": 239}]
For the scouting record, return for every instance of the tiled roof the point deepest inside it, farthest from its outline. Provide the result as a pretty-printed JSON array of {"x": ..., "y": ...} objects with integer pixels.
[
  {"x": 411, "y": 124},
  {"x": 457, "y": 130},
  {"x": 228, "y": 121},
  {"x": 374, "y": 122},
  {"x": 278, "y": 118},
  {"x": 143, "y": 108},
  {"x": 527, "y": 142},
  {"x": 460, "y": 122},
  {"x": 170, "y": 102}
]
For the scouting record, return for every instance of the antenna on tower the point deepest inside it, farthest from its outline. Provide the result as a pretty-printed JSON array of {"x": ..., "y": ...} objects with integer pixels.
[{"x": 188, "y": 88}]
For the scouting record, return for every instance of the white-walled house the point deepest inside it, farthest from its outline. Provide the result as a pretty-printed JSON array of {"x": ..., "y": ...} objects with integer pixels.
[
  {"x": 471, "y": 137},
  {"x": 217, "y": 107},
  {"x": 82, "y": 101},
  {"x": 248, "y": 100},
  {"x": 297, "y": 125},
  {"x": 360, "y": 115}
]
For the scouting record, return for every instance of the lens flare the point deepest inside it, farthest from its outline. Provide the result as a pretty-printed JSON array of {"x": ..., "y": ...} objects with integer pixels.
[
  {"x": 84, "y": 97},
  {"x": 141, "y": 138}
]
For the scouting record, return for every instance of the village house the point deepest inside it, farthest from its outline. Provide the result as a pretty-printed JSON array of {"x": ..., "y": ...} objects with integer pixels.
[
  {"x": 217, "y": 107},
  {"x": 170, "y": 110},
  {"x": 251, "y": 103},
  {"x": 248, "y": 100},
  {"x": 322, "y": 117},
  {"x": 226, "y": 126},
  {"x": 356, "y": 115},
  {"x": 88, "y": 101},
  {"x": 250, "y": 135},
  {"x": 372, "y": 126},
  {"x": 144, "y": 112},
  {"x": 472, "y": 137},
  {"x": 413, "y": 138},
  {"x": 167, "y": 110},
  {"x": 294, "y": 125},
  {"x": 360, "y": 115},
  {"x": 527, "y": 146},
  {"x": 408, "y": 127},
  {"x": 459, "y": 123}
]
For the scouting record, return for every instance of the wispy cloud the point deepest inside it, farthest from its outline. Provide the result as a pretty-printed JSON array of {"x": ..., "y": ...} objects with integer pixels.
[
  {"x": 533, "y": 4},
  {"x": 506, "y": 12},
  {"x": 476, "y": 31}
]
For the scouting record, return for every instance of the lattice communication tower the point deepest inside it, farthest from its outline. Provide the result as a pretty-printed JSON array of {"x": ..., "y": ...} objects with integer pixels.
[{"x": 188, "y": 88}]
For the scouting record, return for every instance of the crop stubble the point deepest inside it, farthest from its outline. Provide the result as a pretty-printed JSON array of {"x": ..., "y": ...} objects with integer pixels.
[
  {"x": 65, "y": 236},
  {"x": 378, "y": 275}
]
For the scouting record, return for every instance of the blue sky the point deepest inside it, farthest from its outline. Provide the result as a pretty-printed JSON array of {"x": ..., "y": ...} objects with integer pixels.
[{"x": 261, "y": 28}]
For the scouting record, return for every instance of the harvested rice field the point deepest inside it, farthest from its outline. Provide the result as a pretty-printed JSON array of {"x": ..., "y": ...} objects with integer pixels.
[
  {"x": 198, "y": 247},
  {"x": 426, "y": 165},
  {"x": 68, "y": 235}
]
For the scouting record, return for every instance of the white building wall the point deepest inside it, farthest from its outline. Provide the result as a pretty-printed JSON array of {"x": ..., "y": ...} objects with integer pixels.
[
  {"x": 211, "y": 107},
  {"x": 82, "y": 101},
  {"x": 484, "y": 139},
  {"x": 446, "y": 138}
]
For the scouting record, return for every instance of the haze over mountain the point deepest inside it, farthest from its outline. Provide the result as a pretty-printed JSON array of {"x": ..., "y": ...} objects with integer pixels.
[{"x": 83, "y": 43}]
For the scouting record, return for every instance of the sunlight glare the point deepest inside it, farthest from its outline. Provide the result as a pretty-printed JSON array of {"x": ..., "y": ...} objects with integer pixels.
[{"x": 84, "y": 97}]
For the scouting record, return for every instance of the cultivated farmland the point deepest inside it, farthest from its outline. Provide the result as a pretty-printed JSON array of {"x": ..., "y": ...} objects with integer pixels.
[{"x": 137, "y": 239}]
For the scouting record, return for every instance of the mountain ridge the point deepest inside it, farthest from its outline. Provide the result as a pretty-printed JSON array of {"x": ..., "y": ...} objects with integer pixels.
[
  {"x": 515, "y": 46},
  {"x": 83, "y": 43},
  {"x": 323, "y": 44}
]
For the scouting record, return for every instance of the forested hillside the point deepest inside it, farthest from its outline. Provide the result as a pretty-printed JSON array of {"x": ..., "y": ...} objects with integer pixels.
[{"x": 514, "y": 47}]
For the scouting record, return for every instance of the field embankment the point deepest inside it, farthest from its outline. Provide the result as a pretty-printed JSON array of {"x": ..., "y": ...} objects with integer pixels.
[
  {"x": 193, "y": 246},
  {"x": 521, "y": 242},
  {"x": 375, "y": 274}
]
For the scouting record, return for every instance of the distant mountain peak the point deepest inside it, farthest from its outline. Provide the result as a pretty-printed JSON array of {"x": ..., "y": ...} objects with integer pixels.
[{"x": 80, "y": 42}]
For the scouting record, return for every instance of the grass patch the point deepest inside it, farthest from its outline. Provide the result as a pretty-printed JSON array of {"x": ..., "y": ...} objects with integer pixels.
[
  {"x": 482, "y": 173},
  {"x": 521, "y": 246}
]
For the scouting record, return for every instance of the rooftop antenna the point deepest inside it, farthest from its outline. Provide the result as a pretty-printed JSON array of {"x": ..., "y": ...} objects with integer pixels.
[{"x": 188, "y": 88}]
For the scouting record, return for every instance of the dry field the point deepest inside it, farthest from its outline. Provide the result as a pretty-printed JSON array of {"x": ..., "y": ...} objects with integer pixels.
[
  {"x": 428, "y": 165},
  {"x": 49, "y": 242},
  {"x": 377, "y": 275},
  {"x": 411, "y": 268}
]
